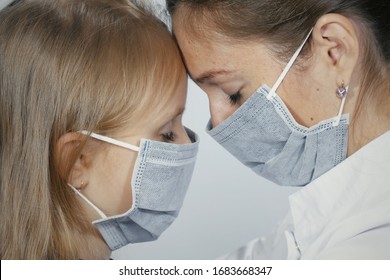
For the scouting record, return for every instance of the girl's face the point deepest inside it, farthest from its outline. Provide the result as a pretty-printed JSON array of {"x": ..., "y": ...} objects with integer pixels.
[{"x": 109, "y": 177}]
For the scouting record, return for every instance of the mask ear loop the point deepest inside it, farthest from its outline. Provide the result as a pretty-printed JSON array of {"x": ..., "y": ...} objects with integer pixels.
[
  {"x": 100, "y": 212},
  {"x": 272, "y": 93},
  {"x": 110, "y": 140}
]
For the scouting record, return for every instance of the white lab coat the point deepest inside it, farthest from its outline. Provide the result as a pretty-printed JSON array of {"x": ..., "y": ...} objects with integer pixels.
[{"x": 344, "y": 214}]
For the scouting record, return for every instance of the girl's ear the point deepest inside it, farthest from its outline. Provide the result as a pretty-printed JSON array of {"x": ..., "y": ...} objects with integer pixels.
[{"x": 66, "y": 147}]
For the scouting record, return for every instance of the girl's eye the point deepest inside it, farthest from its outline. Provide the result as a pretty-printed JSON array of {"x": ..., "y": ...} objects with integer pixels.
[
  {"x": 235, "y": 98},
  {"x": 169, "y": 137}
]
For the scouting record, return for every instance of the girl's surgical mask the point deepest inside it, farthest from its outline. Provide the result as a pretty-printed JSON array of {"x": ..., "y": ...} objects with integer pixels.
[{"x": 161, "y": 177}]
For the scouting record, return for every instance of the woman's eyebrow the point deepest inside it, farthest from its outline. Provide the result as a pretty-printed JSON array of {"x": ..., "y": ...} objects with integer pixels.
[{"x": 209, "y": 75}]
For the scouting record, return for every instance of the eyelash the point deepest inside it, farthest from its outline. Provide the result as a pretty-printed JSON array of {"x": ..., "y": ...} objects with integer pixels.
[
  {"x": 170, "y": 136},
  {"x": 235, "y": 98}
]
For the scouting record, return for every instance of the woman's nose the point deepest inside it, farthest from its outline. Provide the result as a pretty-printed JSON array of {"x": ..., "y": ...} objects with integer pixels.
[{"x": 220, "y": 109}]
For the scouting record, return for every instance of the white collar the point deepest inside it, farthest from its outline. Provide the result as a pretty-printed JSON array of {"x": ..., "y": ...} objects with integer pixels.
[{"x": 345, "y": 194}]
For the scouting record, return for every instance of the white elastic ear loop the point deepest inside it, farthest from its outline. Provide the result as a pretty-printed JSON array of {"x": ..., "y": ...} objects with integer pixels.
[
  {"x": 338, "y": 118},
  {"x": 110, "y": 140},
  {"x": 272, "y": 93},
  {"x": 100, "y": 212}
]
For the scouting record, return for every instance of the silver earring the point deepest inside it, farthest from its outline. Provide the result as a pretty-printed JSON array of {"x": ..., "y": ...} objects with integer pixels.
[
  {"x": 341, "y": 91},
  {"x": 81, "y": 186}
]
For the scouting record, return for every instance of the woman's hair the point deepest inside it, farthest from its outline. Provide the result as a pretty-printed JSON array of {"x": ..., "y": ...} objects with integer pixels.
[
  {"x": 66, "y": 66},
  {"x": 283, "y": 24}
]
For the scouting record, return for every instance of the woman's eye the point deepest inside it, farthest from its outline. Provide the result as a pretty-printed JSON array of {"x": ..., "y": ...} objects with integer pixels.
[
  {"x": 169, "y": 137},
  {"x": 235, "y": 98}
]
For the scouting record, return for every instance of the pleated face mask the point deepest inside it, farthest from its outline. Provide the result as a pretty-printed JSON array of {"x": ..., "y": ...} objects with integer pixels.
[
  {"x": 160, "y": 180},
  {"x": 264, "y": 136}
]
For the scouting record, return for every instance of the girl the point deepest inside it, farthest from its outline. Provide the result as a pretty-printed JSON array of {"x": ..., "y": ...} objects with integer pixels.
[{"x": 93, "y": 152}]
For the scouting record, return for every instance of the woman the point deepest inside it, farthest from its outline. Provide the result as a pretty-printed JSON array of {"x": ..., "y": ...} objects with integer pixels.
[
  {"x": 323, "y": 122},
  {"x": 93, "y": 152}
]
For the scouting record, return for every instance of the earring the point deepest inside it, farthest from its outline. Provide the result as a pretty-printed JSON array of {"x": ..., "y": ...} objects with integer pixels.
[
  {"x": 81, "y": 186},
  {"x": 342, "y": 90}
]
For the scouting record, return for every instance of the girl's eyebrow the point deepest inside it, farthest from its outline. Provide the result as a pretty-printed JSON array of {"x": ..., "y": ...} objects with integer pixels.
[{"x": 178, "y": 112}]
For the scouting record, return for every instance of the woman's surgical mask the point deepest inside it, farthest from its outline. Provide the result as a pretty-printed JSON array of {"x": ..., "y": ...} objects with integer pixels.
[
  {"x": 160, "y": 180},
  {"x": 264, "y": 136}
]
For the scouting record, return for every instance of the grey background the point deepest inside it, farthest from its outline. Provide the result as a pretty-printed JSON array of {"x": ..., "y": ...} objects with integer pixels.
[{"x": 227, "y": 205}]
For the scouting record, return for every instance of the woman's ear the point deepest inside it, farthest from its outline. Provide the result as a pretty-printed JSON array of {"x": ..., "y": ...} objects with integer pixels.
[
  {"x": 336, "y": 40},
  {"x": 68, "y": 150}
]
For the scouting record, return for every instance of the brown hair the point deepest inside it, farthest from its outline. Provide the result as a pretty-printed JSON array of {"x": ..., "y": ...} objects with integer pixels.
[
  {"x": 283, "y": 24},
  {"x": 69, "y": 65}
]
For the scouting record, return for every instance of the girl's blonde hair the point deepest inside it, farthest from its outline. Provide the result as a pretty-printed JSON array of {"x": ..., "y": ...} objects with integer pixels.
[{"x": 69, "y": 65}]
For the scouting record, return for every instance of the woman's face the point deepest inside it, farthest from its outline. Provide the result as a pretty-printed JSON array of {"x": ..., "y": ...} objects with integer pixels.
[
  {"x": 229, "y": 71},
  {"x": 229, "y": 74},
  {"x": 111, "y": 173}
]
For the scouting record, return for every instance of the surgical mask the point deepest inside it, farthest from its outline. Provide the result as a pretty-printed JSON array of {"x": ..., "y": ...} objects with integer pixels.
[
  {"x": 264, "y": 136},
  {"x": 160, "y": 180}
]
